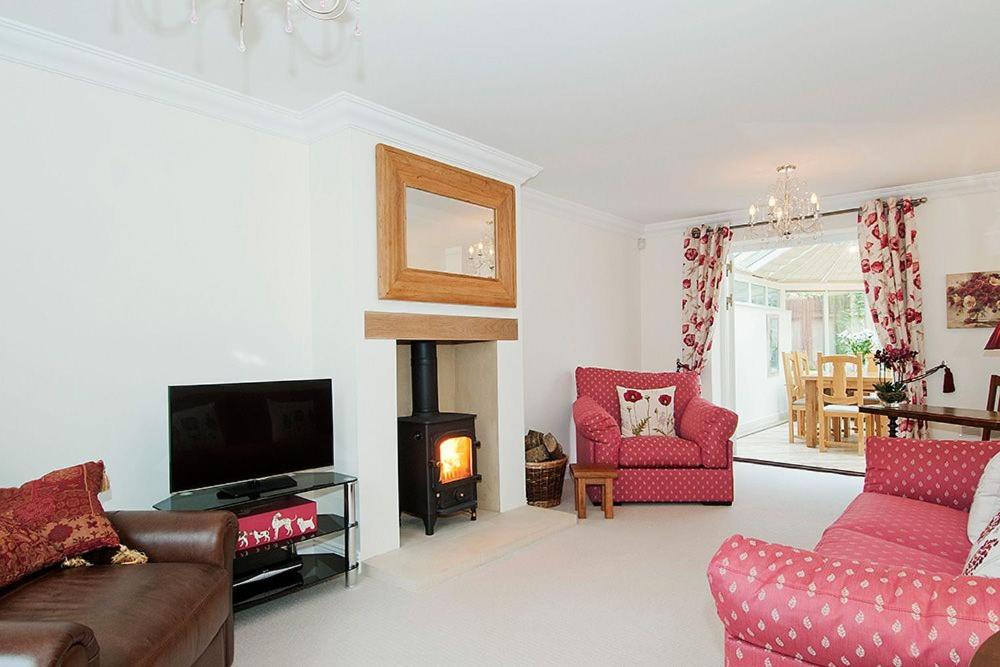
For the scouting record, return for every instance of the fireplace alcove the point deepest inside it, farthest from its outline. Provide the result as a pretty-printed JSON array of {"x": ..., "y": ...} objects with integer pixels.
[{"x": 447, "y": 429}]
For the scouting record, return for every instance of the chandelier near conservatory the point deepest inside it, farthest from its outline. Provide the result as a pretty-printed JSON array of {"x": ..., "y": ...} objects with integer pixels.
[
  {"x": 791, "y": 209},
  {"x": 324, "y": 10}
]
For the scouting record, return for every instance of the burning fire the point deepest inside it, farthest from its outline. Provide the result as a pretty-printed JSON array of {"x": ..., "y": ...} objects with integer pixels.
[{"x": 456, "y": 458}]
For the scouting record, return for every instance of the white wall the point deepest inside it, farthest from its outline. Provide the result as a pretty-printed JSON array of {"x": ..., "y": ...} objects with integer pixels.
[
  {"x": 141, "y": 246},
  {"x": 580, "y": 301},
  {"x": 760, "y": 398}
]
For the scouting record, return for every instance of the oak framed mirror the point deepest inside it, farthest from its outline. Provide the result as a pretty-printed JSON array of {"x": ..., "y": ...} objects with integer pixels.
[{"x": 445, "y": 234}]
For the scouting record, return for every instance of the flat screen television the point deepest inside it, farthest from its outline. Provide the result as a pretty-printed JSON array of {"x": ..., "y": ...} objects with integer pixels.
[{"x": 222, "y": 433}]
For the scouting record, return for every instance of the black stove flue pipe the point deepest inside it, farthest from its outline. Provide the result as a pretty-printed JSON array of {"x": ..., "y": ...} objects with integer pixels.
[{"x": 423, "y": 366}]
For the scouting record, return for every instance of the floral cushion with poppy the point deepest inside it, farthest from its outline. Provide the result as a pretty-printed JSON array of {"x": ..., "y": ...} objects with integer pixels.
[
  {"x": 52, "y": 518},
  {"x": 646, "y": 411}
]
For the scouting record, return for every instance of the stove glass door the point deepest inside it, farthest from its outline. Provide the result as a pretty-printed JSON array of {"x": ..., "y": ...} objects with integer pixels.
[{"x": 455, "y": 458}]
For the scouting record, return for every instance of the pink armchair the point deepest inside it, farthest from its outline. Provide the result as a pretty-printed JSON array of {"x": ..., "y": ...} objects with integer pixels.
[
  {"x": 884, "y": 585},
  {"x": 695, "y": 466}
]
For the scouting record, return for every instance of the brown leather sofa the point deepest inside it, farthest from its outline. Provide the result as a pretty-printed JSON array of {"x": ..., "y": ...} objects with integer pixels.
[{"x": 175, "y": 610}]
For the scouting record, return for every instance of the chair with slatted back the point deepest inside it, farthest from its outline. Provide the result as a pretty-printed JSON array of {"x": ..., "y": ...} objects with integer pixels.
[
  {"x": 876, "y": 424},
  {"x": 992, "y": 401},
  {"x": 801, "y": 369},
  {"x": 841, "y": 393},
  {"x": 794, "y": 394}
]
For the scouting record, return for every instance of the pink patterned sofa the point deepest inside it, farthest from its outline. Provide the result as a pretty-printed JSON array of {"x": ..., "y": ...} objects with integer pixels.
[
  {"x": 697, "y": 466},
  {"x": 883, "y": 586}
]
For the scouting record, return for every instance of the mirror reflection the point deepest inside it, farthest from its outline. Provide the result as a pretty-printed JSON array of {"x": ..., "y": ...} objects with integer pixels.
[{"x": 449, "y": 235}]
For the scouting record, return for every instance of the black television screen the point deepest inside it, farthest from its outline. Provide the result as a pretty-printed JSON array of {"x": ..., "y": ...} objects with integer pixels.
[{"x": 223, "y": 433}]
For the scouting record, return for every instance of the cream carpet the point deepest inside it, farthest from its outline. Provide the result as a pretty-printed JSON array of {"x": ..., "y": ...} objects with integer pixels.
[{"x": 627, "y": 591}]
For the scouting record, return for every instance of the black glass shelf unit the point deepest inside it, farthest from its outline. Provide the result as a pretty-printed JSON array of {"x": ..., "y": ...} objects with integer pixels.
[
  {"x": 203, "y": 500},
  {"x": 262, "y": 573},
  {"x": 316, "y": 568}
]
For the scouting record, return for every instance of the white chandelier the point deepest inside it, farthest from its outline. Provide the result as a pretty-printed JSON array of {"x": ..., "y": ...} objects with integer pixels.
[
  {"x": 326, "y": 10},
  {"x": 791, "y": 209},
  {"x": 482, "y": 255}
]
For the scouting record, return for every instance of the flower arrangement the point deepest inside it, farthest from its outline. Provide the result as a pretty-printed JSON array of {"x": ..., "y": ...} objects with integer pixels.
[
  {"x": 892, "y": 363},
  {"x": 860, "y": 342}
]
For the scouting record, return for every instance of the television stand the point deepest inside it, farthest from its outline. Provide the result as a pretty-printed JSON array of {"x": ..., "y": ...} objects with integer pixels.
[
  {"x": 275, "y": 569},
  {"x": 254, "y": 487}
]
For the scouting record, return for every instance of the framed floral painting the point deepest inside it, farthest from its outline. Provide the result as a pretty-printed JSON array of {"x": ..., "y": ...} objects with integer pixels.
[{"x": 973, "y": 299}]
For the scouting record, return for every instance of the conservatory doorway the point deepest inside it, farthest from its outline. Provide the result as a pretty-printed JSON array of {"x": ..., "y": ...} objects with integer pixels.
[{"x": 786, "y": 305}]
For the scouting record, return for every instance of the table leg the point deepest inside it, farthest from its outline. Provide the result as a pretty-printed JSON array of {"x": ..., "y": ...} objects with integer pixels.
[
  {"x": 607, "y": 502},
  {"x": 811, "y": 414},
  {"x": 581, "y": 499},
  {"x": 892, "y": 426}
]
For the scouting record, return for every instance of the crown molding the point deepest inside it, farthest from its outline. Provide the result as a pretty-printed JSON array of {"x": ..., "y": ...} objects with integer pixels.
[
  {"x": 346, "y": 111},
  {"x": 47, "y": 51},
  {"x": 40, "y": 49},
  {"x": 940, "y": 189},
  {"x": 546, "y": 203},
  {"x": 680, "y": 224}
]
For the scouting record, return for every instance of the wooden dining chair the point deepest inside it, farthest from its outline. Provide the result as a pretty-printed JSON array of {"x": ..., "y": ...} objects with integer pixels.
[
  {"x": 795, "y": 395},
  {"x": 840, "y": 395},
  {"x": 876, "y": 425},
  {"x": 800, "y": 368},
  {"x": 992, "y": 402}
]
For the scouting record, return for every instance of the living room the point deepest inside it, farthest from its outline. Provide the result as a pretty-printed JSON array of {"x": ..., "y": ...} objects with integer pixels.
[{"x": 471, "y": 223}]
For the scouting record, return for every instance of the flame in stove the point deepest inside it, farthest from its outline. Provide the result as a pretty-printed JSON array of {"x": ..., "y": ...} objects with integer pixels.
[{"x": 455, "y": 455}]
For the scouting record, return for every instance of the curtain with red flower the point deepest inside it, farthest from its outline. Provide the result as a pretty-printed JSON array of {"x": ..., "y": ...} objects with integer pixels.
[
  {"x": 705, "y": 250},
  {"x": 890, "y": 266}
]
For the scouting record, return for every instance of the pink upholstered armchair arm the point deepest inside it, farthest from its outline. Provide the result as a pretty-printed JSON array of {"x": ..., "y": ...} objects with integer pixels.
[
  {"x": 827, "y": 610},
  {"x": 945, "y": 472},
  {"x": 710, "y": 427},
  {"x": 594, "y": 424}
]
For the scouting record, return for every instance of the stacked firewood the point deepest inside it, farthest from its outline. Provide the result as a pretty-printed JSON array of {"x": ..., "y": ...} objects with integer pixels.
[{"x": 540, "y": 447}]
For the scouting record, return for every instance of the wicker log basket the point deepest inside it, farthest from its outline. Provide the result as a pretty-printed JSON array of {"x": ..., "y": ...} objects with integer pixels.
[{"x": 544, "y": 469}]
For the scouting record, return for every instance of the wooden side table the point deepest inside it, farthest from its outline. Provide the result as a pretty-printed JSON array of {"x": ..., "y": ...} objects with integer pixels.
[{"x": 594, "y": 474}]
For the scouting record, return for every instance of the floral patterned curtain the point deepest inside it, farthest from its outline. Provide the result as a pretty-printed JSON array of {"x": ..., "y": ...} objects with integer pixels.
[
  {"x": 705, "y": 252},
  {"x": 890, "y": 266}
]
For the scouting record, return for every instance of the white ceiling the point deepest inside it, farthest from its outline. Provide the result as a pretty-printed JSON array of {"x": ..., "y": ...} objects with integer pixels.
[{"x": 648, "y": 109}]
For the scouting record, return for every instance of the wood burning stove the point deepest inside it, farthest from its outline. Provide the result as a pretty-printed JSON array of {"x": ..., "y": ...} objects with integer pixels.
[{"x": 437, "y": 450}]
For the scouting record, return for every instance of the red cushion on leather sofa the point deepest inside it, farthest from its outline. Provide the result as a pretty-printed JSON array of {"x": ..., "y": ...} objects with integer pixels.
[{"x": 49, "y": 519}]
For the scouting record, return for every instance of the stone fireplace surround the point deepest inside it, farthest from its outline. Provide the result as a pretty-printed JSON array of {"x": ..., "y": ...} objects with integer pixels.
[{"x": 363, "y": 360}]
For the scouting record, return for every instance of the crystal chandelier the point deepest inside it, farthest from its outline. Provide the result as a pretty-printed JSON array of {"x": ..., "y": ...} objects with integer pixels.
[
  {"x": 791, "y": 209},
  {"x": 482, "y": 255},
  {"x": 326, "y": 10}
]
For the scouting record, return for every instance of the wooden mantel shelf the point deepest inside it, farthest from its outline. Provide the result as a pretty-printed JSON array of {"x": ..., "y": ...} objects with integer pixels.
[{"x": 415, "y": 326}]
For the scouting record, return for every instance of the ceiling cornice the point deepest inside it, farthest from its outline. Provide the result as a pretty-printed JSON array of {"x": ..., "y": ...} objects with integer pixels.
[
  {"x": 545, "y": 203},
  {"x": 347, "y": 111},
  {"x": 946, "y": 187},
  {"x": 40, "y": 49},
  {"x": 27, "y": 45}
]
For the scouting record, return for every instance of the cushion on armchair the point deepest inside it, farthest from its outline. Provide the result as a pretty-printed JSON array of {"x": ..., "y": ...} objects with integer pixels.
[
  {"x": 646, "y": 411},
  {"x": 49, "y": 519},
  {"x": 657, "y": 451}
]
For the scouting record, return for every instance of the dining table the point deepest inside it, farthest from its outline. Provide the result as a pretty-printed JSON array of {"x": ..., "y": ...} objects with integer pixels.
[
  {"x": 812, "y": 401},
  {"x": 979, "y": 419}
]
